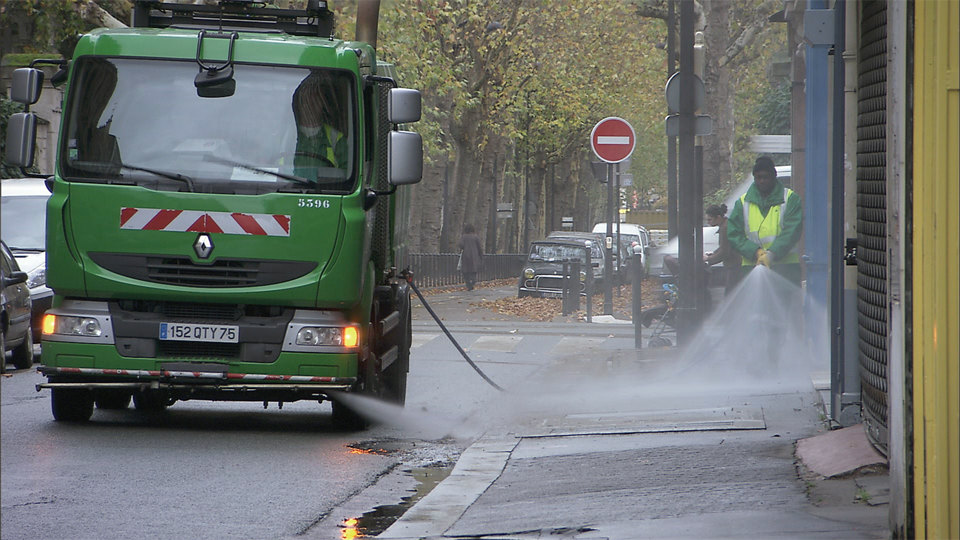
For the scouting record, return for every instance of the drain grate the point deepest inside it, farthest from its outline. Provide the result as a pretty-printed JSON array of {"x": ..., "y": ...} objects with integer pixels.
[{"x": 622, "y": 423}]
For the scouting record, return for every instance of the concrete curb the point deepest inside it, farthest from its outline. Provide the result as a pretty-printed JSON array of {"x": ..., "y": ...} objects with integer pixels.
[{"x": 478, "y": 467}]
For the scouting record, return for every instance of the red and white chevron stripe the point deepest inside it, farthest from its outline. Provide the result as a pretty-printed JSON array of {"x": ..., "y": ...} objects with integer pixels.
[
  {"x": 203, "y": 375},
  {"x": 153, "y": 219}
]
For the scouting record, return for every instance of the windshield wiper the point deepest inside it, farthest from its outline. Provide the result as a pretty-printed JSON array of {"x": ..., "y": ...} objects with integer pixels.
[
  {"x": 278, "y": 174},
  {"x": 165, "y": 174}
]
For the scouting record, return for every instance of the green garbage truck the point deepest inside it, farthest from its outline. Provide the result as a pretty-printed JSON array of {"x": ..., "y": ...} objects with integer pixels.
[{"x": 227, "y": 214}]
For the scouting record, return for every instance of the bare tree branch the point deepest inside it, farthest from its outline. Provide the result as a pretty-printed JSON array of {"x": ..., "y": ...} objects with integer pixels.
[
  {"x": 749, "y": 33},
  {"x": 653, "y": 9},
  {"x": 91, "y": 12}
]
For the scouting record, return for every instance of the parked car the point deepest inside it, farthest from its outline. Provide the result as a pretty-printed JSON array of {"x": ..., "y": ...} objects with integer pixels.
[
  {"x": 23, "y": 227},
  {"x": 15, "y": 332},
  {"x": 621, "y": 273},
  {"x": 542, "y": 273},
  {"x": 630, "y": 233}
]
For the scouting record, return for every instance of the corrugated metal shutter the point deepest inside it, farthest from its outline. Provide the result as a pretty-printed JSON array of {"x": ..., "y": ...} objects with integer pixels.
[{"x": 872, "y": 220}]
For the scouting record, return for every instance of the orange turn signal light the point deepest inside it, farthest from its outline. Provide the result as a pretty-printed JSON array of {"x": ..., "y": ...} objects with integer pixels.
[
  {"x": 49, "y": 323},
  {"x": 350, "y": 336}
]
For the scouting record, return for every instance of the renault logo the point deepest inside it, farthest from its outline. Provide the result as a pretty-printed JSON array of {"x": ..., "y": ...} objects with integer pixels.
[{"x": 203, "y": 246}]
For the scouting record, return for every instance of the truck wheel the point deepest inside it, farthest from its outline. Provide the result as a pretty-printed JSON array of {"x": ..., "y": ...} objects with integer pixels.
[
  {"x": 71, "y": 404},
  {"x": 395, "y": 376},
  {"x": 150, "y": 402},
  {"x": 346, "y": 419},
  {"x": 23, "y": 354},
  {"x": 111, "y": 400}
]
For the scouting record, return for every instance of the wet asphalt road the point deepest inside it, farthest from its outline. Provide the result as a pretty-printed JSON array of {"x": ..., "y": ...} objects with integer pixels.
[
  {"x": 199, "y": 470},
  {"x": 211, "y": 470}
]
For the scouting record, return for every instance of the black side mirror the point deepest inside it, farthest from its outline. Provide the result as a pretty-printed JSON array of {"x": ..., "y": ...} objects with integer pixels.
[{"x": 15, "y": 278}]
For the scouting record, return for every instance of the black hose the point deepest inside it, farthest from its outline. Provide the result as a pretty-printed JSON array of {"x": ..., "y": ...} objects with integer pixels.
[{"x": 452, "y": 340}]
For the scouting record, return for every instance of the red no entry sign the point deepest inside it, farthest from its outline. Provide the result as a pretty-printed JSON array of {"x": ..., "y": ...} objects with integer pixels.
[{"x": 613, "y": 139}]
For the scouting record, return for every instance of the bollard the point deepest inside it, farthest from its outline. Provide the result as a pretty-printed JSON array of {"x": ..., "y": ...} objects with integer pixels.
[
  {"x": 636, "y": 267},
  {"x": 574, "y": 285},
  {"x": 565, "y": 289},
  {"x": 589, "y": 286}
]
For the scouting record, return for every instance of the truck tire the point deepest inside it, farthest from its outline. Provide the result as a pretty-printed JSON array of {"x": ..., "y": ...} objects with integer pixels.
[
  {"x": 150, "y": 402},
  {"x": 71, "y": 404},
  {"x": 3, "y": 352},
  {"x": 346, "y": 419},
  {"x": 112, "y": 400},
  {"x": 23, "y": 354}
]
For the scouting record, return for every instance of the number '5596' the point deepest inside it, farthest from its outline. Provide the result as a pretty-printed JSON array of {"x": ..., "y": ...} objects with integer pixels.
[{"x": 314, "y": 203}]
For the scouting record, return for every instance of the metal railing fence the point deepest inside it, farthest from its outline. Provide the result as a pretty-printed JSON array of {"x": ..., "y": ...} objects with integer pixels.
[{"x": 440, "y": 269}]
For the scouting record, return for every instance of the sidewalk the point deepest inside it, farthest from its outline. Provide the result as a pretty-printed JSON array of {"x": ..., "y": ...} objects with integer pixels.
[{"x": 656, "y": 448}]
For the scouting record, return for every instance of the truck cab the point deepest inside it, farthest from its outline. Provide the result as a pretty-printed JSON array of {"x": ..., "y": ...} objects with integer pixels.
[{"x": 224, "y": 222}]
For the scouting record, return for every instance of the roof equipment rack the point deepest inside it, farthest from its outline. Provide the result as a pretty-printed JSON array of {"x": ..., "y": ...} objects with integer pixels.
[{"x": 236, "y": 15}]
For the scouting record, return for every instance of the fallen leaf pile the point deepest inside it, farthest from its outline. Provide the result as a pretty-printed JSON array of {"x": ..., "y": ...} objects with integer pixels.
[
  {"x": 481, "y": 285},
  {"x": 534, "y": 309},
  {"x": 548, "y": 309}
]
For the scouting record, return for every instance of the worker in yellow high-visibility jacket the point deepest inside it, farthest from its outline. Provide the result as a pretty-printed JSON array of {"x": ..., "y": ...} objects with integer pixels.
[{"x": 766, "y": 224}]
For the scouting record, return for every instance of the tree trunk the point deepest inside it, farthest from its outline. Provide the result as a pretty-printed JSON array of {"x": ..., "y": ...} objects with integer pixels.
[
  {"x": 718, "y": 102},
  {"x": 426, "y": 210}
]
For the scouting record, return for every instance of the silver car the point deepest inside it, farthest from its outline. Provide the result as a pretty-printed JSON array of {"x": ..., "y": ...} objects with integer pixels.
[
  {"x": 23, "y": 215},
  {"x": 15, "y": 332}
]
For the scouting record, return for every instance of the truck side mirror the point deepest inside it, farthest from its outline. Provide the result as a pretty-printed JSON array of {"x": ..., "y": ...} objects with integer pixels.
[
  {"x": 403, "y": 106},
  {"x": 21, "y": 139},
  {"x": 26, "y": 85},
  {"x": 404, "y": 158}
]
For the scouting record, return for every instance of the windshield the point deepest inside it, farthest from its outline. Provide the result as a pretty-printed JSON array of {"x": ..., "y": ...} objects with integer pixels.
[
  {"x": 560, "y": 252},
  {"x": 141, "y": 121},
  {"x": 23, "y": 222}
]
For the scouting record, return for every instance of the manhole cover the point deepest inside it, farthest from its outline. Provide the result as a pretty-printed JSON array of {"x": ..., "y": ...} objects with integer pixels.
[{"x": 718, "y": 419}]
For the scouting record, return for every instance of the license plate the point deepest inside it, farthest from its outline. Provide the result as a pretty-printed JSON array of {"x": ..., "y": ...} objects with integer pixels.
[
  {"x": 199, "y": 332},
  {"x": 552, "y": 295}
]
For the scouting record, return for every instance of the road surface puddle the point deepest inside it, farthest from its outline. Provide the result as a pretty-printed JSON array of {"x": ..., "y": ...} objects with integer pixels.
[{"x": 374, "y": 522}]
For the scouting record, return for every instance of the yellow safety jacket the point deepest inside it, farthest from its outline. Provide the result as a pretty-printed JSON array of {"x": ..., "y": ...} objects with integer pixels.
[{"x": 764, "y": 230}]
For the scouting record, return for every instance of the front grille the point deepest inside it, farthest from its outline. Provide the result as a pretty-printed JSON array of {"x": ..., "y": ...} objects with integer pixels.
[
  {"x": 191, "y": 311},
  {"x": 182, "y": 271},
  {"x": 196, "y": 349},
  {"x": 554, "y": 283},
  {"x": 224, "y": 272}
]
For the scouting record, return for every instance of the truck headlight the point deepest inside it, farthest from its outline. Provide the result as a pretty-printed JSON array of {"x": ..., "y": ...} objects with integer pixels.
[
  {"x": 528, "y": 273},
  {"x": 347, "y": 336},
  {"x": 71, "y": 326}
]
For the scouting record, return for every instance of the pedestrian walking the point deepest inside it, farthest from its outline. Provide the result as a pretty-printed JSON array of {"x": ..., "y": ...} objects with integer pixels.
[{"x": 471, "y": 255}]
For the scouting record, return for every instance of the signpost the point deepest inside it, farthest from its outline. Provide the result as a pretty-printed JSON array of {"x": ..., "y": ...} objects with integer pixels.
[{"x": 612, "y": 140}]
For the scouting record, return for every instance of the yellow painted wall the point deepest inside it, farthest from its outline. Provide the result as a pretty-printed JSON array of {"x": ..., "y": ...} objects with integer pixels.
[{"x": 936, "y": 264}]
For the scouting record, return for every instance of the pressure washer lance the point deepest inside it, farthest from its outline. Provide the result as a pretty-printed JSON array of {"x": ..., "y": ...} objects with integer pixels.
[{"x": 408, "y": 275}]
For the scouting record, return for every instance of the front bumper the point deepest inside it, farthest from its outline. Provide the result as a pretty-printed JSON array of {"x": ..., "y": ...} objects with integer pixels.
[
  {"x": 205, "y": 381},
  {"x": 547, "y": 286}
]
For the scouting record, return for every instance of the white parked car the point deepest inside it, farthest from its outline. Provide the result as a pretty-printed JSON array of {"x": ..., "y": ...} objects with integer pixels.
[
  {"x": 630, "y": 233},
  {"x": 23, "y": 224}
]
